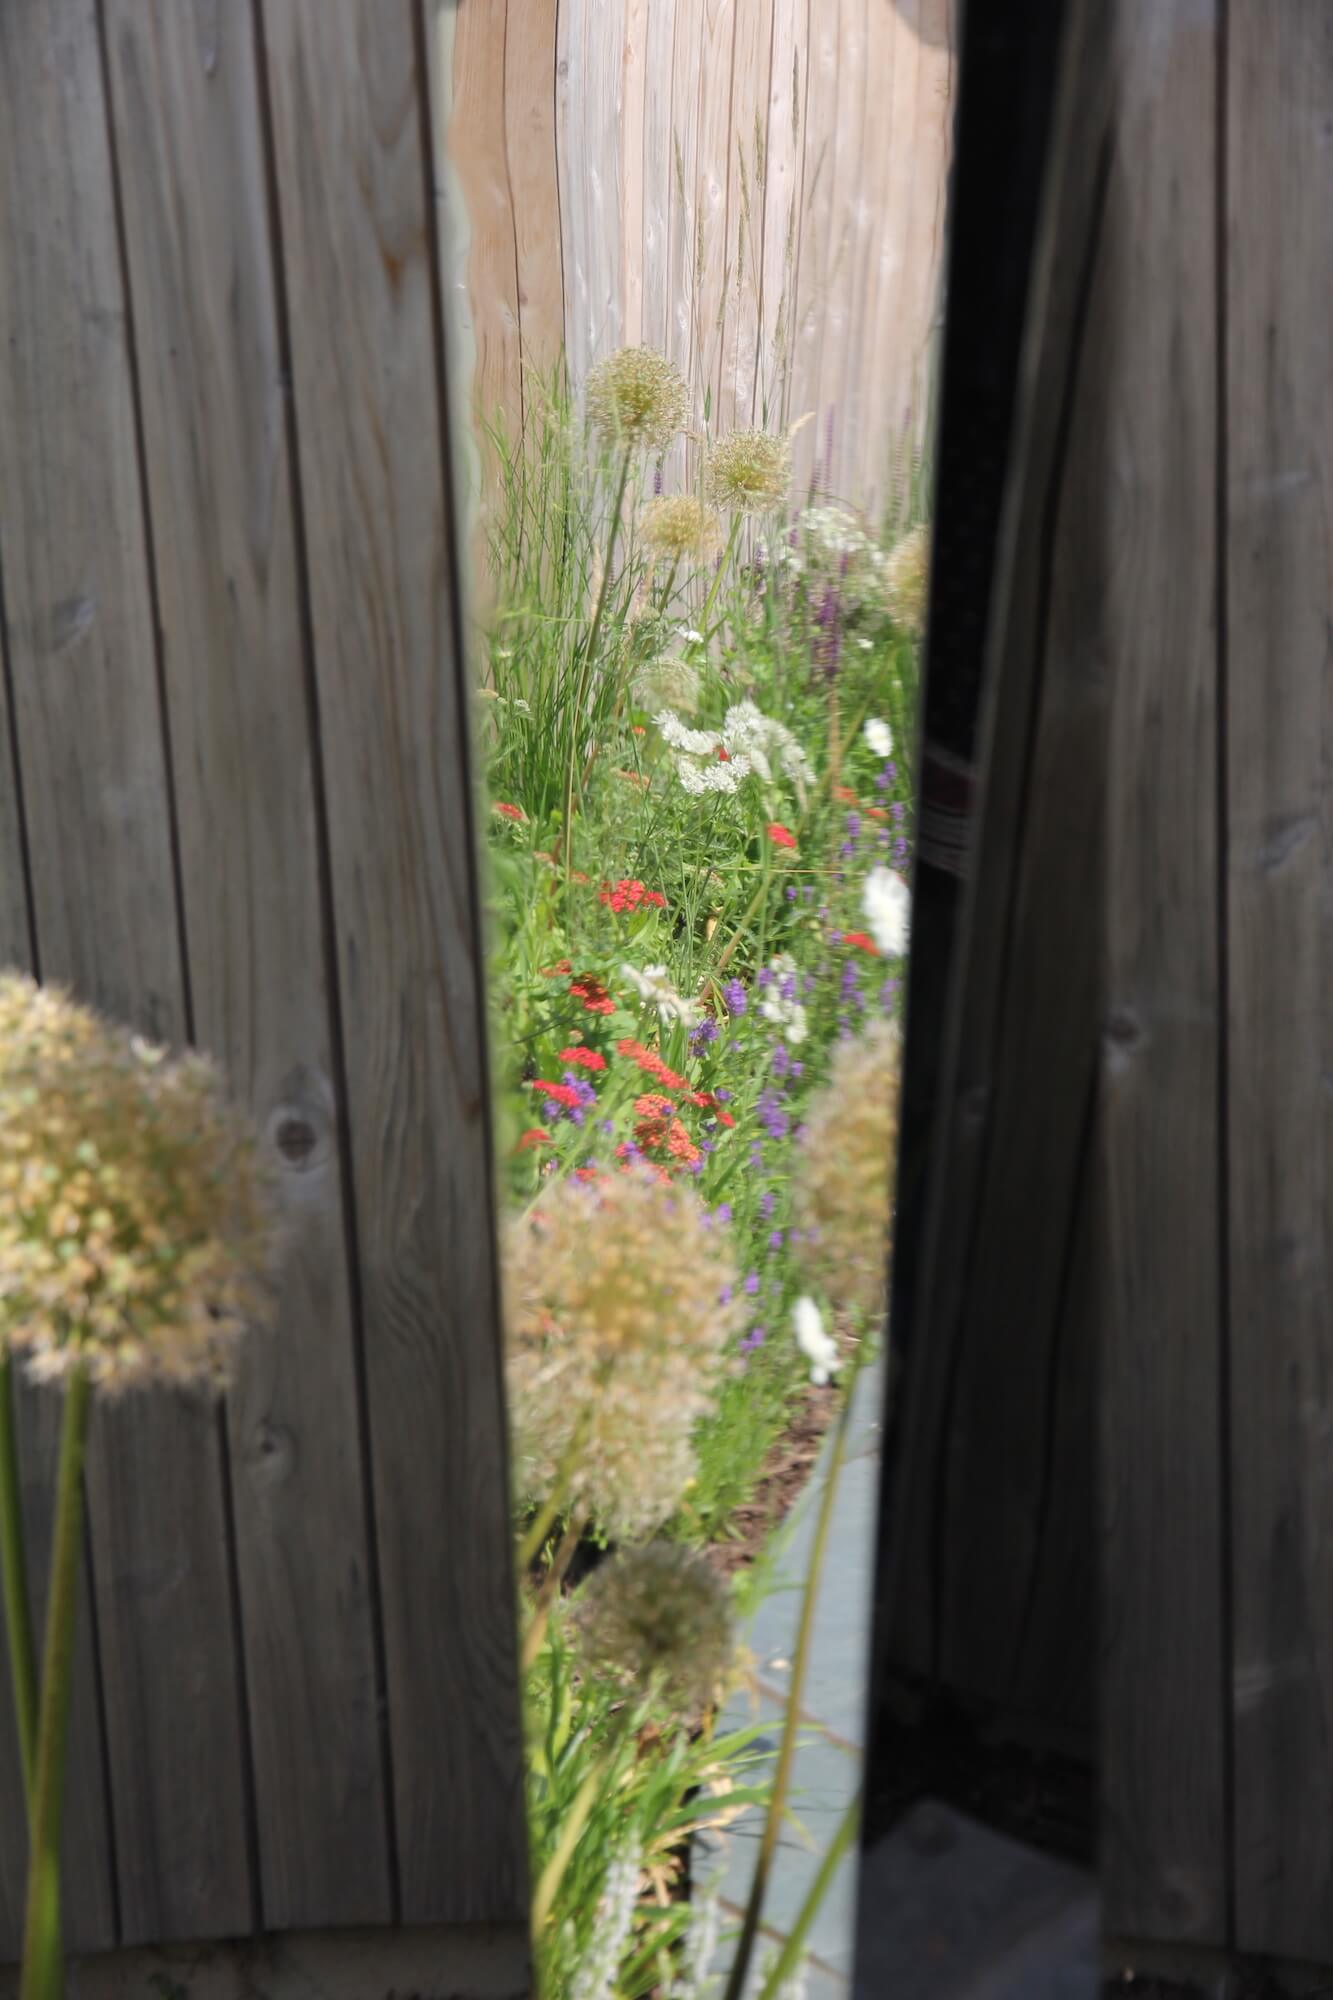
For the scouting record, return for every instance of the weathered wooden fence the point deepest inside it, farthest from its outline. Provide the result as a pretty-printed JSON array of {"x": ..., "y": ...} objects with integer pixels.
[
  {"x": 754, "y": 187},
  {"x": 235, "y": 809},
  {"x": 1132, "y": 1222}
]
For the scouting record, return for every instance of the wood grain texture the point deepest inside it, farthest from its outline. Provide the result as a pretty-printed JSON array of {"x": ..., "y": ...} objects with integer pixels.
[
  {"x": 742, "y": 343},
  {"x": 589, "y": 98},
  {"x": 530, "y": 58},
  {"x": 479, "y": 148},
  {"x": 1279, "y": 888},
  {"x": 714, "y": 235},
  {"x": 352, "y": 150},
  {"x": 188, "y": 132},
  {"x": 81, "y": 647},
  {"x": 658, "y": 179},
  {"x": 783, "y": 192},
  {"x": 1163, "y": 1854}
]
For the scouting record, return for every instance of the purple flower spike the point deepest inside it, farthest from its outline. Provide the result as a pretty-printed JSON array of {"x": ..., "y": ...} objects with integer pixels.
[
  {"x": 735, "y": 996},
  {"x": 752, "y": 1283}
]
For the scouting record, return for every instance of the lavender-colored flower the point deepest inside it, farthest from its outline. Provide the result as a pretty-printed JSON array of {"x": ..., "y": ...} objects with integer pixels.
[
  {"x": 768, "y": 1201},
  {"x": 723, "y": 1097},
  {"x": 888, "y": 993},
  {"x": 853, "y": 825},
  {"x": 722, "y": 1213},
  {"x": 781, "y": 1061},
  {"x": 891, "y": 770},
  {"x": 798, "y": 1069},
  {"x": 735, "y": 996},
  {"x": 772, "y": 1115},
  {"x": 788, "y": 988},
  {"x": 850, "y": 979},
  {"x": 765, "y": 980},
  {"x": 724, "y": 1296},
  {"x": 897, "y": 809},
  {"x": 847, "y": 849},
  {"x": 755, "y": 1338},
  {"x": 752, "y": 1282},
  {"x": 791, "y": 893},
  {"x": 775, "y": 1240},
  {"x": 705, "y": 1031},
  {"x": 900, "y": 851},
  {"x": 608, "y": 1125},
  {"x": 807, "y": 892},
  {"x": 885, "y": 840},
  {"x": 882, "y": 780},
  {"x": 757, "y": 1154},
  {"x": 808, "y": 984}
]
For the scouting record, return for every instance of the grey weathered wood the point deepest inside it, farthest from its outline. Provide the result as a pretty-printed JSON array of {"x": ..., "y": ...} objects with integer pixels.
[
  {"x": 189, "y": 139},
  {"x": 80, "y": 633},
  {"x": 1279, "y": 886},
  {"x": 988, "y": 1475},
  {"x": 352, "y": 143},
  {"x": 1163, "y": 1854}
]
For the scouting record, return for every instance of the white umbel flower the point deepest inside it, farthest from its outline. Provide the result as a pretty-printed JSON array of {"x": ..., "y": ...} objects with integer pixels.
[
  {"x": 696, "y": 778},
  {"x": 879, "y": 736},
  {"x": 653, "y": 985},
  {"x": 698, "y": 742},
  {"x": 887, "y": 903},
  {"x": 814, "y": 1343}
]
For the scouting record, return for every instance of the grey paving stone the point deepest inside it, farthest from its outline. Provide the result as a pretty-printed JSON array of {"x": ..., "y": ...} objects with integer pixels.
[{"x": 954, "y": 1911}]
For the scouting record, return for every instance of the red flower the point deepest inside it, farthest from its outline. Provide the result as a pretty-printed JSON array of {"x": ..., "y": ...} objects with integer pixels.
[
  {"x": 590, "y": 990},
  {"x": 723, "y": 754},
  {"x": 680, "y": 1145},
  {"x": 586, "y": 1174},
  {"x": 560, "y": 970},
  {"x": 638, "y": 729},
  {"x": 844, "y": 794},
  {"x": 651, "y": 1064},
  {"x": 534, "y": 1136},
  {"x": 707, "y": 1099},
  {"x": 861, "y": 941},
  {"x": 653, "y": 1106},
  {"x": 627, "y": 895},
  {"x": 781, "y": 836},
  {"x": 655, "y": 896},
  {"x": 876, "y": 812},
  {"x": 581, "y": 1058},
  {"x": 559, "y": 1093},
  {"x": 508, "y": 811}
]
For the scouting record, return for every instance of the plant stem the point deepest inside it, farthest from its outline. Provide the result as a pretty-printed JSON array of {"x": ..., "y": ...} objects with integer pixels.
[
  {"x": 546, "y": 1518},
  {"x": 589, "y": 654},
  {"x": 14, "y": 1579},
  {"x": 777, "y": 1803},
  {"x": 720, "y": 572},
  {"x": 551, "y": 1582},
  {"x": 41, "y": 1937},
  {"x": 789, "y": 1956},
  {"x": 575, "y": 1821}
]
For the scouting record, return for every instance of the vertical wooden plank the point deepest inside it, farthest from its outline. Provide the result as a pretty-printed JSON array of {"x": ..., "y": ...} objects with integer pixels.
[
  {"x": 589, "y": 102},
  {"x": 743, "y": 332},
  {"x": 816, "y": 226},
  {"x": 352, "y": 145},
  {"x": 189, "y": 137},
  {"x": 849, "y": 221},
  {"x": 1279, "y": 407},
  {"x": 882, "y": 243},
  {"x": 785, "y": 162},
  {"x": 682, "y": 282},
  {"x": 1163, "y": 1838},
  {"x": 927, "y": 144},
  {"x": 530, "y": 61},
  {"x": 635, "y": 86},
  {"x": 714, "y": 244},
  {"x": 81, "y": 640},
  {"x": 478, "y": 150},
  {"x": 658, "y": 171}
]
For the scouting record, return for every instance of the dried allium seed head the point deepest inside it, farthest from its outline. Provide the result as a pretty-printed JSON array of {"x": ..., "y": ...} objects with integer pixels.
[
  {"x": 658, "y": 1614},
  {"x": 619, "y": 1298},
  {"x": 137, "y": 1213},
  {"x": 680, "y": 527},
  {"x": 749, "y": 472},
  {"x": 667, "y": 684},
  {"x": 906, "y": 575},
  {"x": 844, "y": 1183},
  {"x": 636, "y": 397}
]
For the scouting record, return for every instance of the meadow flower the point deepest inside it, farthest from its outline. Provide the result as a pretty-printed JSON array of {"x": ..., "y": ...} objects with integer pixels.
[
  {"x": 653, "y": 986},
  {"x": 667, "y": 684},
  {"x": 816, "y": 1345},
  {"x": 748, "y": 472},
  {"x": 595, "y": 1977},
  {"x": 781, "y": 1007},
  {"x": 590, "y": 990},
  {"x": 697, "y": 778},
  {"x": 617, "y": 1333},
  {"x": 651, "y": 1064},
  {"x": 582, "y": 1058},
  {"x": 138, "y": 1215},
  {"x": 887, "y": 902},
  {"x": 906, "y": 576},
  {"x": 844, "y": 1177},
  {"x": 658, "y": 1616},
  {"x": 680, "y": 528},
  {"x": 534, "y": 1136},
  {"x": 748, "y": 732},
  {"x": 697, "y": 742},
  {"x": 637, "y": 397},
  {"x": 735, "y": 997},
  {"x": 860, "y": 942},
  {"x": 507, "y": 811},
  {"x": 781, "y": 836},
  {"x": 628, "y": 895},
  {"x": 878, "y": 736}
]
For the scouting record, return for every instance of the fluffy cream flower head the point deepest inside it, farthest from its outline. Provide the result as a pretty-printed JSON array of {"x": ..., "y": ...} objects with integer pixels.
[
  {"x": 844, "y": 1183},
  {"x": 658, "y": 1614},
  {"x": 749, "y": 472},
  {"x": 678, "y": 526},
  {"x": 637, "y": 397},
  {"x": 137, "y": 1214},
  {"x": 619, "y": 1304},
  {"x": 906, "y": 575}
]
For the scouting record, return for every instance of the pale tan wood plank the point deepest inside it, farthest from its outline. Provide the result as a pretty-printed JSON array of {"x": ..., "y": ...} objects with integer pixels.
[
  {"x": 478, "y": 148},
  {"x": 714, "y": 241},
  {"x": 682, "y": 283},
  {"x": 658, "y": 183},
  {"x": 189, "y": 137},
  {"x": 635, "y": 86},
  {"x": 743, "y": 333},
  {"x": 82, "y": 653},
  {"x": 352, "y": 153},
  {"x": 848, "y": 221},
  {"x": 816, "y": 229},
  {"x": 530, "y": 58},
  {"x": 589, "y": 103},
  {"x": 1163, "y": 1861},
  {"x": 785, "y": 166},
  {"x": 1279, "y": 404}
]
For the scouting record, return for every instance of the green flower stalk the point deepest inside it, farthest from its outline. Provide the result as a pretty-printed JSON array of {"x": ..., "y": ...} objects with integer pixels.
[{"x": 137, "y": 1238}]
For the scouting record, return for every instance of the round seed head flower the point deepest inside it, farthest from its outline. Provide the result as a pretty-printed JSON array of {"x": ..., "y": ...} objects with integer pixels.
[
  {"x": 749, "y": 472},
  {"x": 667, "y": 684},
  {"x": 137, "y": 1213},
  {"x": 658, "y": 1613},
  {"x": 906, "y": 575},
  {"x": 844, "y": 1183},
  {"x": 678, "y": 526},
  {"x": 617, "y": 1328},
  {"x": 637, "y": 397}
]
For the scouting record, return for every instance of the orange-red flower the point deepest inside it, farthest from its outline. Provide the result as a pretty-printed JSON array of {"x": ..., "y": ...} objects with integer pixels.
[
  {"x": 590, "y": 990},
  {"x": 627, "y": 895},
  {"x": 579, "y": 1057},
  {"x": 534, "y": 1136},
  {"x": 861, "y": 941},
  {"x": 781, "y": 836},
  {"x": 559, "y": 1093},
  {"x": 651, "y": 1064},
  {"x": 560, "y": 970},
  {"x": 844, "y": 794},
  {"x": 507, "y": 811}
]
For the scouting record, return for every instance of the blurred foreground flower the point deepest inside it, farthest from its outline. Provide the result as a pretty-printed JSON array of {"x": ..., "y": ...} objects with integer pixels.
[
  {"x": 619, "y": 1306},
  {"x": 817, "y": 1346},
  {"x": 844, "y": 1181},
  {"x": 636, "y": 397},
  {"x": 906, "y": 576},
  {"x": 887, "y": 903},
  {"x": 680, "y": 527},
  {"x": 658, "y": 1615},
  {"x": 137, "y": 1215},
  {"x": 879, "y": 736}
]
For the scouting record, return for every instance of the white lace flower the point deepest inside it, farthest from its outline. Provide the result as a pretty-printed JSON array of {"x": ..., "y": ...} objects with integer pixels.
[
  {"x": 698, "y": 778},
  {"x": 879, "y": 737},
  {"x": 780, "y": 1005},
  {"x": 816, "y": 1345},
  {"x": 699, "y": 742},
  {"x": 887, "y": 903},
  {"x": 653, "y": 986}
]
